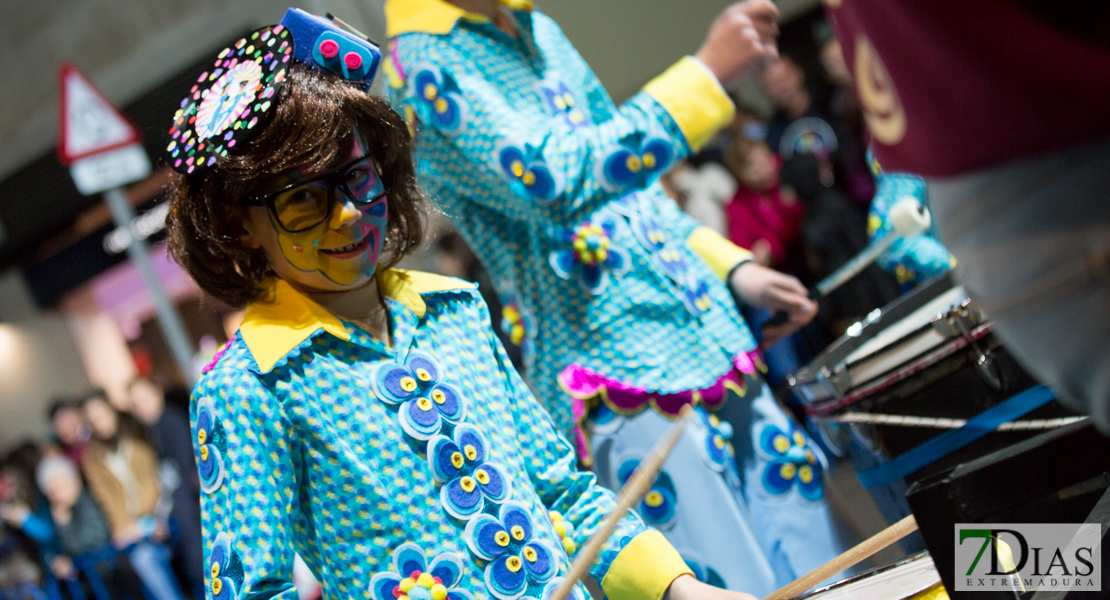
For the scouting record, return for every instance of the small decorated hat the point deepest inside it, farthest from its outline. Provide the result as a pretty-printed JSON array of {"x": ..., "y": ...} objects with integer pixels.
[{"x": 231, "y": 102}]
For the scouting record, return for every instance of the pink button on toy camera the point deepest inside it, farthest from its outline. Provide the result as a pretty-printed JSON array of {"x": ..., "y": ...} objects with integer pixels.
[
  {"x": 352, "y": 60},
  {"x": 329, "y": 49}
]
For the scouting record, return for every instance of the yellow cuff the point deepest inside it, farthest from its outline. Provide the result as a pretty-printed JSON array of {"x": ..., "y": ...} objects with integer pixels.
[
  {"x": 644, "y": 569},
  {"x": 721, "y": 254},
  {"x": 695, "y": 100}
]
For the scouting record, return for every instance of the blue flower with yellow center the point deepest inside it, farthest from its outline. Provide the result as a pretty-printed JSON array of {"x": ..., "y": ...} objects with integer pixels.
[
  {"x": 425, "y": 401},
  {"x": 560, "y": 102},
  {"x": 592, "y": 254},
  {"x": 527, "y": 172},
  {"x": 459, "y": 463},
  {"x": 634, "y": 162},
  {"x": 210, "y": 445},
  {"x": 517, "y": 561},
  {"x": 658, "y": 505},
  {"x": 438, "y": 98},
  {"x": 718, "y": 450},
  {"x": 667, "y": 257},
  {"x": 225, "y": 572},
  {"x": 792, "y": 460},
  {"x": 517, "y": 321},
  {"x": 413, "y": 578}
]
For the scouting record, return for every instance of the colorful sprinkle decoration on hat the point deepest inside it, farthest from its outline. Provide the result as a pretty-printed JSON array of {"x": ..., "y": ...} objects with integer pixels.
[{"x": 229, "y": 103}]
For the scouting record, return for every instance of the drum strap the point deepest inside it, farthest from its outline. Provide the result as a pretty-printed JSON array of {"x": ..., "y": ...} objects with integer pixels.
[{"x": 950, "y": 441}]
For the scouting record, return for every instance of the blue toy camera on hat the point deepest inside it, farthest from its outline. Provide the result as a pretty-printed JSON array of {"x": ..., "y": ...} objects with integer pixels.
[{"x": 231, "y": 102}]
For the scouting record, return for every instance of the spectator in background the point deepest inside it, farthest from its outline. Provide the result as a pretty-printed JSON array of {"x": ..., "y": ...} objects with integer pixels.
[
  {"x": 762, "y": 217},
  {"x": 71, "y": 433},
  {"x": 167, "y": 429},
  {"x": 801, "y": 125},
  {"x": 79, "y": 529},
  {"x": 122, "y": 471}
]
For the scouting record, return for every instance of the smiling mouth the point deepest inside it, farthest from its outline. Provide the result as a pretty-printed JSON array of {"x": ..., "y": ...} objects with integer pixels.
[{"x": 350, "y": 250}]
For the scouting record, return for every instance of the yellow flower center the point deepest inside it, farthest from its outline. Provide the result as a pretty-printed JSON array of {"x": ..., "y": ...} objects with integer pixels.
[
  {"x": 406, "y": 585},
  {"x": 471, "y": 452},
  {"x": 423, "y": 375},
  {"x": 569, "y": 546},
  {"x": 408, "y": 384},
  {"x": 501, "y": 538},
  {"x": 513, "y": 564},
  {"x": 426, "y": 580},
  {"x": 781, "y": 443},
  {"x": 517, "y": 168},
  {"x": 202, "y": 436},
  {"x": 430, "y": 91},
  {"x": 649, "y": 160},
  {"x": 805, "y": 474},
  {"x": 719, "y": 442},
  {"x": 568, "y": 99},
  {"x": 439, "y": 592},
  {"x": 529, "y": 178},
  {"x": 215, "y": 570},
  {"x": 634, "y": 164},
  {"x": 799, "y": 439},
  {"x": 653, "y": 499},
  {"x": 714, "y": 421},
  {"x": 441, "y": 105},
  {"x": 468, "y": 484},
  {"x": 810, "y": 457},
  {"x": 787, "y": 471},
  {"x": 217, "y": 586},
  {"x": 481, "y": 476},
  {"x": 530, "y": 554},
  {"x": 457, "y": 460},
  {"x": 439, "y": 396},
  {"x": 518, "y": 532},
  {"x": 204, "y": 452},
  {"x": 560, "y": 103},
  {"x": 424, "y": 404}
]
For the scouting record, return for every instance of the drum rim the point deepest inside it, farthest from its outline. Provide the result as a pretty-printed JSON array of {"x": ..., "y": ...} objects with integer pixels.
[{"x": 871, "y": 573}]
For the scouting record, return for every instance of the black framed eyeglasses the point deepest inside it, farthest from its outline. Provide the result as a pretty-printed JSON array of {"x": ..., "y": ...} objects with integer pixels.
[{"x": 304, "y": 205}]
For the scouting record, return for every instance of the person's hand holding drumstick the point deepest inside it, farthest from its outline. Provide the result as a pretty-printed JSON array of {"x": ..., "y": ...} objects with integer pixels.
[{"x": 777, "y": 292}]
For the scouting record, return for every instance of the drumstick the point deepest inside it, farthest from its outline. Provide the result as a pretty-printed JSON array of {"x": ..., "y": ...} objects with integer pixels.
[
  {"x": 861, "y": 552},
  {"x": 634, "y": 489},
  {"x": 908, "y": 218}
]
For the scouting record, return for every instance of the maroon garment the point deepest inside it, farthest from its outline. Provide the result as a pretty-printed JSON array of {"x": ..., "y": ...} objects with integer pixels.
[
  {"x": 753, "y": 216},
  {"x": 950, "y": 86}
]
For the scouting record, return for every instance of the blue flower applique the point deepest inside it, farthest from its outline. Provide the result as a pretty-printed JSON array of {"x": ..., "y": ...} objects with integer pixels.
[
  {"x": 225, "y": 571},
  {"x": 469, "y": 481},
  {"x": 717, "y": 449},
  {"x": 517, "y": 321},
  {"x": 592, "y": 255},
  {"x": 634, "y": 162},
  {"x": 413, "y": 578},
  {"x": 439, "y": 101},
  {"x": 426, "y": 401},
  {"x": 527, "y": 172},
  {"x": 560, "y": 102},
  {"x": 792, "y": 460},
  {"x": 211, "y": 444},
  {"x": 659, "y": 504},
  {"x": 668, "y": 259},
  {"x": 517, "y": 561}
]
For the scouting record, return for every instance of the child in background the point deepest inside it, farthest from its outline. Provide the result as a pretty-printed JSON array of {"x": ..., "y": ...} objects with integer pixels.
[{"x": 762, "y": 216}]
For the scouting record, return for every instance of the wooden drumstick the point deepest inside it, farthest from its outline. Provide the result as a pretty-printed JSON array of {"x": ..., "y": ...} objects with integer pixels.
[
  {"x": 861, "y": 552},
  {"x": 638, "y": 484}
]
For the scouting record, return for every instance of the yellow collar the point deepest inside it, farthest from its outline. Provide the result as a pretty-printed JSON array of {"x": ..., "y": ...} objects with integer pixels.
[
  {"x": 272, "y": 328},
  {"x": 437, "y": 17}
]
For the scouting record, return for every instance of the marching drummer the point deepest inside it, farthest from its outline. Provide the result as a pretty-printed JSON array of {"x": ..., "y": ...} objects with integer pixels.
[{"x": 364, "y": 417}]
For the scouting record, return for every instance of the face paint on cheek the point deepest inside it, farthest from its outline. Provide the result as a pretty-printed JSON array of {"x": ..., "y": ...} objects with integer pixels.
[{"x": 375, "y": 219}]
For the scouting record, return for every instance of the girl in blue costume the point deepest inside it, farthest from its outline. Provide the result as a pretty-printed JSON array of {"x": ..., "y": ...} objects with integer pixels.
[
  {"x": 619, "y": 298},
  {"x": 363, "y": 417}
]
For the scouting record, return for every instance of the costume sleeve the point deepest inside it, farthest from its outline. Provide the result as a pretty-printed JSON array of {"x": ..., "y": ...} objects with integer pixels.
[
  {"x": 912, "y": 259},
  {"x": 722, "y": 255},
  {"x": 247, "y": 476},
  {"x": 637, "y": 562},
  {"x": 472, "y": 141}
]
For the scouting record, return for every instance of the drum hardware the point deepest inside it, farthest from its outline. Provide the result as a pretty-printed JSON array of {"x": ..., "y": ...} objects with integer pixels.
[{"x": 961, "y": 322}]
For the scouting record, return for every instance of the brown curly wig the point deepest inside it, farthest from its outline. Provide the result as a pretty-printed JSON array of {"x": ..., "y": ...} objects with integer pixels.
[{"x": 312, "y": 128}]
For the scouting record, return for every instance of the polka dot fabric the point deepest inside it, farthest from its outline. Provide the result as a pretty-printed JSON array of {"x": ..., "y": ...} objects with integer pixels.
[
  {"x": 230, "y": 102},
  {"x": 631, "y": 320},
  {"x": 315, "y": 462}
]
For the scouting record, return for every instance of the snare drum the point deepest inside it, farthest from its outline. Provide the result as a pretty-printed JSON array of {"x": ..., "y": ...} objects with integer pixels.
[
  {"x": 930, "y": 356},
  {"x": 913, "y": 577}
]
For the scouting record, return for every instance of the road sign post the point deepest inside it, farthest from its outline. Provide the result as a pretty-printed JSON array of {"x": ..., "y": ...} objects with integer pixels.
[{"x": 101, "y": 147}]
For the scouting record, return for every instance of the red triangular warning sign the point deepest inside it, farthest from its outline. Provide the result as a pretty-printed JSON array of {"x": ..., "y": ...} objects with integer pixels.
[{"x": 90, "y": 123}]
